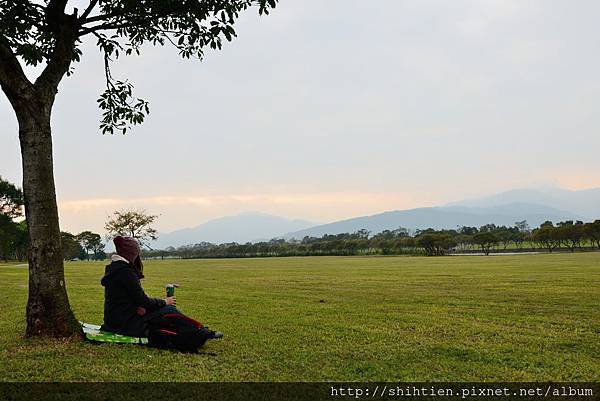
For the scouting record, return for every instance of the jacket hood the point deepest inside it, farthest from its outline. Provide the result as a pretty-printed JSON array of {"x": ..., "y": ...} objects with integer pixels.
[
  {"x": 127, "y": 247},
  {"x": 111, "y": 270}
]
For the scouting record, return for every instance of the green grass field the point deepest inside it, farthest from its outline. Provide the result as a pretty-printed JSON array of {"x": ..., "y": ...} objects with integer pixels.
[{"x": 501, "y": 318}]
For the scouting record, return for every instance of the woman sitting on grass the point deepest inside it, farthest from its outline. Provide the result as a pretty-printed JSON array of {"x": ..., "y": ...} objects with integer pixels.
[{"x": 127, "y": 308}]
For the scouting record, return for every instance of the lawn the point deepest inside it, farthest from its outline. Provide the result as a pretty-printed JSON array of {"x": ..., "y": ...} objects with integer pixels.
[{"x": 464, "y": 318}]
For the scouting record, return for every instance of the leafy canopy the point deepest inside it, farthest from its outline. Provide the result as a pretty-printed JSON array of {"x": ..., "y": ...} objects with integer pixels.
[
  {"x": 41, "y": 31},
  {"x": 133, "y": 223}
]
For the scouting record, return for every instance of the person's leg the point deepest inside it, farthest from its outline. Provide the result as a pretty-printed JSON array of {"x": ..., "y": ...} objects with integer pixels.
[
  {"x": 211, "y": 334},
  {"x": 165, "y": 310},
  {"x": 155, "y": 315}
]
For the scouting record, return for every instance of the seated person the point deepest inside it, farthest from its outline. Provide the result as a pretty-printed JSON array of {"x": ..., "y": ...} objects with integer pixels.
[{"x": 127, "y": 308}]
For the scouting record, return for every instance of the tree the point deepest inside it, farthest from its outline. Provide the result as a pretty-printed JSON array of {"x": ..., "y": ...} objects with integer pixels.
[
  {"x": 592, "y": 231},
  {"x": 71, "y": 247},
  {"x": 521, "y": 233},
  {"x": 488, "y": 228},
  {"x": 21, "y": 243},
  {"x": 523, "y": 226},
  {"x": 48, "y": 35},
  {"x": 570, "y": 234},
  {"x": 98, "y": 248},
  {"x": 546, "y": 236},
  {"x": 11, "y": 207},
  {"x": 362, "y": 234},
  {"x": 519, "y": 237},
  {"x": 11, "y": 200},
  {"x": 436, "y": 243},
  {"x": 90, "y": 242},
  {"x": 486, "y": 240},
  {"x": 133, "y": 223},
  {"x": 8, "y": 233},
  {"x": 85, "y": 239},
  {"x": 504, "y": 235}
]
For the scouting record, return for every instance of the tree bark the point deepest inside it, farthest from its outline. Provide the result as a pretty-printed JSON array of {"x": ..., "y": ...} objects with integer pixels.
[{"x": 48, "y": 309}]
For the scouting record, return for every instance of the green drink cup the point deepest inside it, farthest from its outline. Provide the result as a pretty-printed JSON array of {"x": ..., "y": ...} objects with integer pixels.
[{"x": 171, "y": 289}]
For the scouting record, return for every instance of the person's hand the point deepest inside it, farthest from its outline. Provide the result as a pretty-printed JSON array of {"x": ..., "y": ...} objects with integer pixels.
[
  {"x": 141, "y": 311},
  {"x": 171, "y": 301}
]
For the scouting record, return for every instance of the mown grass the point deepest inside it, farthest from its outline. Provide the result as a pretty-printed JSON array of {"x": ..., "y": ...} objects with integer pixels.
[{"x": 504, "y": 318}]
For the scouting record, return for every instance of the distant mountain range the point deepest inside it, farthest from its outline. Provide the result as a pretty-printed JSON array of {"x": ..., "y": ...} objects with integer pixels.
[
  {"x": 533, "y": 205},
  {"x": 245, "y": 227},
  {"x": 585, "y": 203},
  {"x": 439, "y": 218}
]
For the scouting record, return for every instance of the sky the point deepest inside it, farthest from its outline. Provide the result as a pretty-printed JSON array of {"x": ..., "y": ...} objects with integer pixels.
[{"x": 333, "y": 109}]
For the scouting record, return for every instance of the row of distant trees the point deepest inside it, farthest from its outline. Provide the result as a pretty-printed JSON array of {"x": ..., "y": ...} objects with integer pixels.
[{"x": 567, "y": 235}]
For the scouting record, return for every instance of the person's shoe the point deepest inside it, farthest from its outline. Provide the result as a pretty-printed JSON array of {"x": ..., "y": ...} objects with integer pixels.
[
  {"x": 214, "y": 335},
  {"x": 211, "y": 334}
]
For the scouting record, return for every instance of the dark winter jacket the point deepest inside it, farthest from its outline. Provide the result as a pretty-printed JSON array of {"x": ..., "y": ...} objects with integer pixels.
[{"x": 123, "y": 294}]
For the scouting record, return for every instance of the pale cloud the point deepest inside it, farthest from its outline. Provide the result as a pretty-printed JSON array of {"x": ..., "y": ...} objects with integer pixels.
[
  {"x": 479, "y": 16},
  {"x": 577, "y": 179},
  {"x": 188, "y": 211}
]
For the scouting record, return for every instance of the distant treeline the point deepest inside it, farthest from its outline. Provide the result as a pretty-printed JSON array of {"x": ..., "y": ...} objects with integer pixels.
[
  {"x": 14, "y": 243},
  {"x": 566, "y": 235},
  {"x": 14, "y": 239}
]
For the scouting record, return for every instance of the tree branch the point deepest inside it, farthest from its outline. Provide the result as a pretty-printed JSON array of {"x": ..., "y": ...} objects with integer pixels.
[
  {"x": 55, "y": 13},
  {"x": 101, "y": 17},
  {"x": 59, "y": 62},
  {"x": 13, "y": 80},
  {"x": 105, "y": 27},
  {"x": 88, "y": 10},
  {"x": 65, "y": 29}
]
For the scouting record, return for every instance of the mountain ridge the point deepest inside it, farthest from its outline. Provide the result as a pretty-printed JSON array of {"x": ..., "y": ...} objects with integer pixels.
[
  {"x": 584, "y": 202},
  {"x": 441, "y": 217},
  {"x": 243, "y": 227},
  {"x": 504, "y": 208}
]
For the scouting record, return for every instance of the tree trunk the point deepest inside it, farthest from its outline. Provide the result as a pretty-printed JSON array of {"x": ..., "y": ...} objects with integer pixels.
[{"x": 48, "y": 309}]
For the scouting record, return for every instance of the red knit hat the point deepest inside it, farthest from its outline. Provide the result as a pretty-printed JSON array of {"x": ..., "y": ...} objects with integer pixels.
[{"x": 127, "y": 247}]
